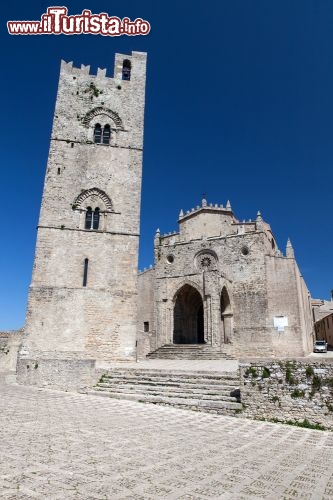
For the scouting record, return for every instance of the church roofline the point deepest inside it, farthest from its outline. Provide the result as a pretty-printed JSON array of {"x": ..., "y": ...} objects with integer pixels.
[{"x": 218, "y": 209}]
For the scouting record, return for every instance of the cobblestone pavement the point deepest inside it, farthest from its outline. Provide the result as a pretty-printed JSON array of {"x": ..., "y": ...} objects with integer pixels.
[{"x": 56, "y": 445}]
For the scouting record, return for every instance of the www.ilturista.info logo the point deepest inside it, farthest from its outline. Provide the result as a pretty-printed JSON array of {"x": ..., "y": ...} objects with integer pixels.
[{"x": 57, "y": 22}]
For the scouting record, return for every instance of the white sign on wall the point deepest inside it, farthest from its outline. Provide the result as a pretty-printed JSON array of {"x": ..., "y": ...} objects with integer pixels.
[{"x": 280, "y": 322}]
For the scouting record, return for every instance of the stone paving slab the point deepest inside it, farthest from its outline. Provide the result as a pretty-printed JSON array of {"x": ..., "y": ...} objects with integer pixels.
[{"x": 56, "y": 445}]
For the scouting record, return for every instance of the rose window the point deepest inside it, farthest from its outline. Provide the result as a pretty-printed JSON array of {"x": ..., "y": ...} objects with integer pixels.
[{"x": 205, "y": 261}]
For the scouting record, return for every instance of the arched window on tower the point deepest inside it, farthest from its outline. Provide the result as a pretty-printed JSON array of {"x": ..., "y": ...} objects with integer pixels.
[
  {"x": 89, "y": 216},
  {"x": 97, "y": 133},
  {"x": 127, "y": 69},
  {"x": 106, "y": 134},
  {"x": 96, "y": 219}
]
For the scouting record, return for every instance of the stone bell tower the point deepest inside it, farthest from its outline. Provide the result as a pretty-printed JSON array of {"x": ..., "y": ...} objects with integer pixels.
[{"x": 83, "y": 295}]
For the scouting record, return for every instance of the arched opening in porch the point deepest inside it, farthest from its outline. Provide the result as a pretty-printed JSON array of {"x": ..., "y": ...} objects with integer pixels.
[
  {"x": 188, "y": 317},
  {"x": 226, "y": 316}
]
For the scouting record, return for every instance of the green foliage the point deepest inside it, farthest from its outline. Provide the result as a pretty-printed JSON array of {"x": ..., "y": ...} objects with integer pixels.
[
  {"x": 102, "y": 379},
  {"x": 276, "y": 399},
  {"x": 309, "y": 371},
  {"x": 297, "y": 394},
  {"x": 290, "y": 379},
  {"x": 305, "y": 423},
  {"x": 251, "y": 371},
  {"x": 266, "y": 373},
  {"x": 93, "y": 90},
  {"x": 316, "y": 383}
]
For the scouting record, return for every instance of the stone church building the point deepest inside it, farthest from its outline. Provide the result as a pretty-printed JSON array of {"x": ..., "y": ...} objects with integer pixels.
[
  {"x": 218, "y": 285},
  {"x": 223, "y": 286}
]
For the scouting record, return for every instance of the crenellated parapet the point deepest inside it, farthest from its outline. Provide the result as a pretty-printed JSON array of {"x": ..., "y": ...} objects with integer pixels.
[
  {"x": 207, "y": 207},
  {"x": 210, "y": 221},
  {"x": 69, "y": 68}
]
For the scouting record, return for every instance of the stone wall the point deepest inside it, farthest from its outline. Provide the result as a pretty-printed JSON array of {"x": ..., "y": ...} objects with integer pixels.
[
  {"x": 9, "y": 345},
  {"x": 146, "y": 333},
  {"x": 63, "y": 374},
  {"x": 288, "y": 390}
]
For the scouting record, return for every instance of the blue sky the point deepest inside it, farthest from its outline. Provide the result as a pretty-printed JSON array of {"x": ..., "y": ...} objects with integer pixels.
[{"x": 239, "y": 105}]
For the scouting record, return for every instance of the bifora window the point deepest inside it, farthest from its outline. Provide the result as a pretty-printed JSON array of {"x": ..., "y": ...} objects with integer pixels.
[
  {"x": 92, "y": 218},
  {"x": 102, "y": 135}
]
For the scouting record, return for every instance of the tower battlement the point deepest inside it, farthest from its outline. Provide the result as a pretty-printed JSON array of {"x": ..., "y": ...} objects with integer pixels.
[{"x": 69, "y": 68}]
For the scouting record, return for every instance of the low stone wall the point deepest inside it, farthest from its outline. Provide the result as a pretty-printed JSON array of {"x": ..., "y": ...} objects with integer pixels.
[
  {"x": 288, "y": 390},
  {"x": 9, "y": 345},
  {"x": 63, "y": 374}
]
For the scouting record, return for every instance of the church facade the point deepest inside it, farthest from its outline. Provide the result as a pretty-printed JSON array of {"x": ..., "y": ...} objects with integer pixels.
[
  {"x": 218, "y": 283},
  {"x": 223, "y": 285}
]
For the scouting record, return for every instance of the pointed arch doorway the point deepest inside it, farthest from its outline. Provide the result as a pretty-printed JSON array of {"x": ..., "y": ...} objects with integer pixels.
[{"x": 188, "y": 317}]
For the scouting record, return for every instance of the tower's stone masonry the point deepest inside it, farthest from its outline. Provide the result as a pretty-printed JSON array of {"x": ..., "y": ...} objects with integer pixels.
[
  {"x": 83, "y": 295},
  {"x": 224, "y": 284}
]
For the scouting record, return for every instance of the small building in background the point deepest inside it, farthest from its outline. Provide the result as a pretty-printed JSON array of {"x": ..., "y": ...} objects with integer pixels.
[{"x": 323, "y": 317}]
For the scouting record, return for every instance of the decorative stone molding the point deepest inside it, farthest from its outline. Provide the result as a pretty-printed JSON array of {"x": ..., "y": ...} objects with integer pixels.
[
  {"x": 94, "y": 192},
  {"x": 103, "y": 111},
  {"x": 178, "y": 286}
]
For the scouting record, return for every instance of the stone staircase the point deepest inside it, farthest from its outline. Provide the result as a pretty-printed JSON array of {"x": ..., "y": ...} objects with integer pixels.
[
  {"x": 213, "y": 392},
  {"x": 189, "y": 351}
]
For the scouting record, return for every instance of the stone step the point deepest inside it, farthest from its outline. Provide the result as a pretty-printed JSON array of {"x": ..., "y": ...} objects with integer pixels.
[
  {"x": 174, "y": 382},
  {"x": 194, "y": 355},
  {"x": 196, "y": 390},
  {"x": 194, "y": 377},
  {"x": 170, "y": 377},
  {"x": 229, "y": 385},
  {"x": 188, "y": 351},
  {"x": 191, "y": 347},
  {"x": 176, "y": 357},
  {"x": 178, "y": 402},
  {"x": 223, "y": 393}
]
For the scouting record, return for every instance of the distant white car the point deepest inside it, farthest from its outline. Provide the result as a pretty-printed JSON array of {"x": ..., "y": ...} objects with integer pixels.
[{"x": 320, "y": 346}]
